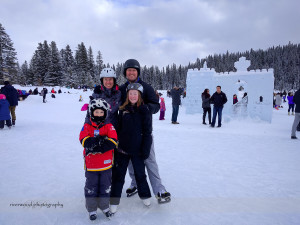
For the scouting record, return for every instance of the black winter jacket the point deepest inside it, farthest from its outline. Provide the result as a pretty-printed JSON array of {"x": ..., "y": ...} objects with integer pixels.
[
  {"x": 11, "y": 94},
  {"x": 218, "y": 99},
  {"x": 176, "y": 100},
  {"x": 296, "y": 100},
  {"x": 135, "y": 130},
  {"x": 149, "y": 96},
  {"x": 205, "y": 101},
  {"x": 113, "y": 98}
]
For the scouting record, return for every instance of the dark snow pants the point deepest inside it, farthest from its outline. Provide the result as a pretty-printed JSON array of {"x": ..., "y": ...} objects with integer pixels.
[
  {"x": 119, "y": 173},
  {"x": 207, "y": 110},
  {"x": 97, "y": 190},
  {"x": 8, "y": 123}
]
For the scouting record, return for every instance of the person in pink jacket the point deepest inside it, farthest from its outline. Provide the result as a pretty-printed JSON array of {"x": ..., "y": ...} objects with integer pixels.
[{"x": 162, "y": 109}]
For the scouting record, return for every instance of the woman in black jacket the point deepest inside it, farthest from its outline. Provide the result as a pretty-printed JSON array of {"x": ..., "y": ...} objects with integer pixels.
[
  {"x": 135, "y": 139},
  {"x": 206, "y": 105}
]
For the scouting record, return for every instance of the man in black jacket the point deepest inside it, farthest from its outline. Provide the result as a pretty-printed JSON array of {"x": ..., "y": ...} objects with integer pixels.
[
  {"x": 218, "y": 99},
  {"x": 296, "y": 100},
  {"x": 176, "y": 93},
  {"x": 132, "y": 72}
]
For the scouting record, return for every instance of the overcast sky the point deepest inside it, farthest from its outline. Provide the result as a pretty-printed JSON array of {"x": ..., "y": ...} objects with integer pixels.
[{"x": 157, "y": 32}]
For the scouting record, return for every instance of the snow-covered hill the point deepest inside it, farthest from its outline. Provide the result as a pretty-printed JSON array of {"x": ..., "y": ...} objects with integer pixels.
[{"x": 246, "y": 172}]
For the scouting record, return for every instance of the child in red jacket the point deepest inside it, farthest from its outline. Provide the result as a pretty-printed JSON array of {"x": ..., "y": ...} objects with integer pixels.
[{"x": 99, "y": 140}]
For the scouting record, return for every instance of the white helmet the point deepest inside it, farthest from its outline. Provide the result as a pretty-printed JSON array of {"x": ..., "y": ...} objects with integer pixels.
[
  {"x": 108, "y": 72},
  {"x": 98, "y": 104}
]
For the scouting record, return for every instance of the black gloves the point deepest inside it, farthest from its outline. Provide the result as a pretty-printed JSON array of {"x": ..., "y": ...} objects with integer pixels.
[{"x": 97, "y": 144}]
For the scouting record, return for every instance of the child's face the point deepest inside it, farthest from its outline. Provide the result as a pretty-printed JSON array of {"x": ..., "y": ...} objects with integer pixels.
[
  {"x": 133, "y": 96},
  {"x": 98, "y": 112}
]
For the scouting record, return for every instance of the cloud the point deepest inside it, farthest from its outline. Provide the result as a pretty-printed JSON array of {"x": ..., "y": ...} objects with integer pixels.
[{"x": 154, "y": 32}]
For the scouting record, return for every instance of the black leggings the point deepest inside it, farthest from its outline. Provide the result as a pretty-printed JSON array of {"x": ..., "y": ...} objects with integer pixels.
[{"x": 118, "y": 176}]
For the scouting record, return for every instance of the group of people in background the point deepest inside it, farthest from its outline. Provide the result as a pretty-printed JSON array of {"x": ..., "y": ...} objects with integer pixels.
[{"x": 118, "y": 126}]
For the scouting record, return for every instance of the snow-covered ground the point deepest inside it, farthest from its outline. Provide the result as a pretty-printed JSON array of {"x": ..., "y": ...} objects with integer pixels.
[{"x": 246, "y": 172}]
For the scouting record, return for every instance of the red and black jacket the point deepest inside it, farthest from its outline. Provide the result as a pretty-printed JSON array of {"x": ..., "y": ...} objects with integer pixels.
[{"x": 102, "y": 159}]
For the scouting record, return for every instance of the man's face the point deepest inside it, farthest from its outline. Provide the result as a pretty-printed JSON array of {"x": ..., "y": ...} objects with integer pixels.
[
  {"x": 219, "y": 90},
  {"x": 131, "y": 74}
]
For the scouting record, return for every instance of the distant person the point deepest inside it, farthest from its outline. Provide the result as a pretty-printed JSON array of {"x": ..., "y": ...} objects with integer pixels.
[
  {"x": 162, "y": 109},
  {"x": 176, "y": 92},
  {"x": 36, "y": 91},
  {"x": 291, "y": 103},
  {"x": 12, "y": 97},
  {"x": 235, "y": 99},
  {"x": 206, "y": 106},
  {"x": 284, "y": 96},
  {"x": 53, "y": 91},
  {"x": 59, "y": 91},
  {"x": 30, "y": 92},
  {"x": 80, "y": 98},
  {"x": 278, "y": 101},
  {"x": 296, "y": 100},
  {"x": 44, "y": 94},
  {"x": 218, "y": 99},
  {"x": 4, "y": 112}
]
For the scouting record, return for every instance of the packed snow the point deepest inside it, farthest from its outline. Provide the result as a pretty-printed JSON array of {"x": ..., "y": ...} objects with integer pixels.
[{"x": 246, "y": 172}]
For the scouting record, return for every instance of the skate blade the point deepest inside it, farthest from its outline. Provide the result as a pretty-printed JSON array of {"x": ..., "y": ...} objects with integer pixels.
[
  {"x": 131, "y": 194},
  {"x": 166, "y": 200}
]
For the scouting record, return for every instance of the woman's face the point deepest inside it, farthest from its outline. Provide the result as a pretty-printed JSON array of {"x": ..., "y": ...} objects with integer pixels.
[
  {"x": 133, "y": 96},
  {"x": 108, "y": 82}
]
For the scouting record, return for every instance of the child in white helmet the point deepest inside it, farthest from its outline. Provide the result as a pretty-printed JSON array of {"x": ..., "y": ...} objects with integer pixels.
[{"x": 99, "y": 139}]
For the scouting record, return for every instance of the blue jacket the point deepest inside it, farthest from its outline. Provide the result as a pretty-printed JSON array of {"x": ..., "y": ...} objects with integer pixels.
[
  {"x": 11, "y": 94},
  {"x": 4, "y": 110}
]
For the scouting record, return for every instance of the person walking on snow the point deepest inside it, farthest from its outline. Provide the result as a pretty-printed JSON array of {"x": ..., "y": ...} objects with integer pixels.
[
  {"x": 278, "y": 101},
  {"x": 132, "y": 73},
  {"x": 291, "y": 103},
  {"x": 12, "y": 97},
  {"x": 296, "y": 100},
  {"x": 99, "y": 139},
  {"x": 218, "y": 99},
  {"x": 135, "y": 139},
  {"x": 4, "y": 112}
]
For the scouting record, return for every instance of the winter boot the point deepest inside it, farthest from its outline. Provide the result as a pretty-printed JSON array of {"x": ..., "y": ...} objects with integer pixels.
[
  {"x": 293, "y": 113},
  {"x": 294, "y": 137},
  {"x": 13, "y": 122},
  {"x": 113, "y": 208},
  {"x": 131, "y": 191},
  {"x": 289, "y": 113},
  {"x": 93, "y": 215},
  {"x": 163, "y": 197},
  {"x": 147, "y": 201},
  {"x": 108, "y": 213}
]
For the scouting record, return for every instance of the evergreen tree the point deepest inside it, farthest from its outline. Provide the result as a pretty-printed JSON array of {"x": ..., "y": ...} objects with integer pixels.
[{"x": 8, "y": 57}]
